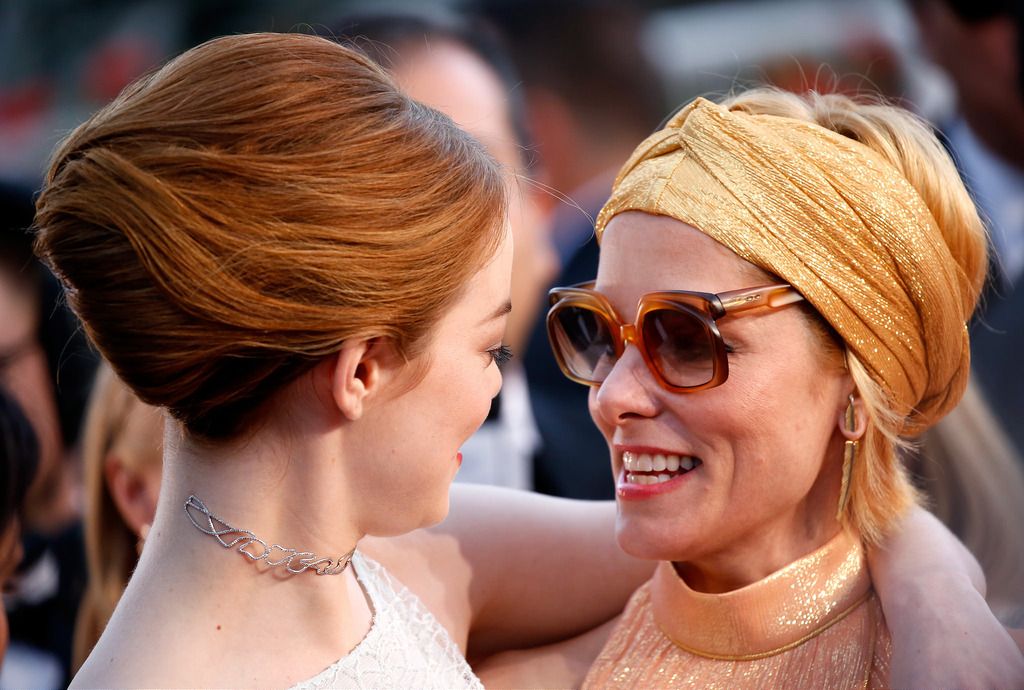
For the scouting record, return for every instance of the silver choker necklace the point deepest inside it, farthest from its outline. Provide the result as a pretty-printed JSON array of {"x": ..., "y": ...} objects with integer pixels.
[{"x": 255, "y": 549}]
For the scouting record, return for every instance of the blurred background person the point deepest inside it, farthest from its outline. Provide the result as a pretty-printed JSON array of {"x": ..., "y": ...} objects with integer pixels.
[
  {"x": 121, "y": 464},
  {"x": 980, "y": 46},
  {"x": 46, "y": 366},
  {"x": 19, "y": 456},
  {"x": 459, "y": 66},
  {"x": 39, "y": 351},
  {"x": 590, "y": 96}
]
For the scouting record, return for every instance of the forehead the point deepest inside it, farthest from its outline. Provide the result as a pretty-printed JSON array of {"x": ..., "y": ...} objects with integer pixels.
[{"x": 643, "y": 253}]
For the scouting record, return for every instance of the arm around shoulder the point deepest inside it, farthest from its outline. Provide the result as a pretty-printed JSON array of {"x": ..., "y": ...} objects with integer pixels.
[
  {"x": 932, "y": 593},
  {"x": 543, "y": 569},
  {"x": 513, "y": 569}
]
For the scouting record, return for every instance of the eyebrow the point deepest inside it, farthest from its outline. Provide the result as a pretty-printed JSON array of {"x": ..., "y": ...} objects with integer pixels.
[{"x": 499, "y": 312}]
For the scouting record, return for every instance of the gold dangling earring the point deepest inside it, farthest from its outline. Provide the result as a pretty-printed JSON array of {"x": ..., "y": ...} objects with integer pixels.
[{"x": 849, "y": 455}]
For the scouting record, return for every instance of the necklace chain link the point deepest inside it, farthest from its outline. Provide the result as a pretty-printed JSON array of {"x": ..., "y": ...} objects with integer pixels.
[{"x": 255, "y": 549}]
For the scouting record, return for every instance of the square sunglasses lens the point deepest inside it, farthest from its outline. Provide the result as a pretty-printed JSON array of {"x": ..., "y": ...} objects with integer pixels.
[
  {"x": 583, "y": 338},
  {"x": 681, "y": 346}
]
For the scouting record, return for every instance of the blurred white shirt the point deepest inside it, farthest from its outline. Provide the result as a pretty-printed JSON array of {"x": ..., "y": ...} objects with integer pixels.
[{"x": 501, "y": 452}]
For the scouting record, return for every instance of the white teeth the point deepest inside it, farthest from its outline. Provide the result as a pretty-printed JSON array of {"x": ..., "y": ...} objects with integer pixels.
[
  {"x": 644, "y": 462},
  {"x": 648, "y": 478}
]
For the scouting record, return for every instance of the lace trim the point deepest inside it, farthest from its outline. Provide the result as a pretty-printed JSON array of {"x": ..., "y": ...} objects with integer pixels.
[{"x": 405, "y": 647}]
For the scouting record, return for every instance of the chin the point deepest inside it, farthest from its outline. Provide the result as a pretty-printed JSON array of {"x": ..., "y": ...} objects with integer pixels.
[
  {"x": 649, "y": 540},
  {"x": 410, "y": 517},
  {"x": 436, "y": 513}
]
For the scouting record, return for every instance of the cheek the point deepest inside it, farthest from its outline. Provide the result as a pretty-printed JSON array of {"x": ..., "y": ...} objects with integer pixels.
[
  {"x": 790, "y": 391},
  {"x": 778, "y": 434},
  {"x": 461, "y": 395},
  {"x": 477, "y": 389},
  {"x": 595, "y": 414}
]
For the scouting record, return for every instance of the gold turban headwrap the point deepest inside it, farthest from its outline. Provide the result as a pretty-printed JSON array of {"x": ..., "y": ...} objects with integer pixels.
[{"x": 834, "y": 219}]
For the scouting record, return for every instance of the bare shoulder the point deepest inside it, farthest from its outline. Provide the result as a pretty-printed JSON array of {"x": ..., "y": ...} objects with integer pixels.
[
  {"x": 167, "y": 637},
  {"x": 125, "y": 661}
]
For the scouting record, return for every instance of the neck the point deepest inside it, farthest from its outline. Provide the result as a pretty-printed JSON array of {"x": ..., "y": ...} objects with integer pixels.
[
  {"x": 285, "y": 489},
  {"x": 749, "y": 563},
  {"x": 197, "y": 614},
  {"x": 285, "y": 492},
  {"x": 809, "y": 596}
]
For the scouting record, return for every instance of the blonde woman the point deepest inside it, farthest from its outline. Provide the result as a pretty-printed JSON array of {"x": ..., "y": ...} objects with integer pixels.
[{"x": 782, "y": 299}]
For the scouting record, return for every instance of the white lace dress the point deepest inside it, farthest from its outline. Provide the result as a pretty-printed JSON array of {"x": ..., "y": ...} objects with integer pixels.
[{"x": 406, "y": 647}]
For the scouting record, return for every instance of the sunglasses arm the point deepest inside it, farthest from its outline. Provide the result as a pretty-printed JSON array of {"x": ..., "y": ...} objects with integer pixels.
[{"x": 771, "y": 297}]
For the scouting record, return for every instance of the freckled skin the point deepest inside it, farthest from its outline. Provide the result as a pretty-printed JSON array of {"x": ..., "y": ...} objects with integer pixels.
[
  {"x": 409, "y": 446},
  {"x": 768, "y": 437}
]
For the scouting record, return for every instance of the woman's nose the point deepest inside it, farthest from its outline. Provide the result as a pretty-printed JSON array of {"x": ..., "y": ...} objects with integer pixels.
[{"x": 628, "y": 390}]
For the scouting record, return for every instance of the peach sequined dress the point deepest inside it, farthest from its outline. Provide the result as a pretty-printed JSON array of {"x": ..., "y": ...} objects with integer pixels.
[{"x": 814, "y": 624}]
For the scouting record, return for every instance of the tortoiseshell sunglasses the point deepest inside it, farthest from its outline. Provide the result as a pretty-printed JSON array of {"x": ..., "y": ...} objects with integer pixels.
[{"x": 675, "y": 331}]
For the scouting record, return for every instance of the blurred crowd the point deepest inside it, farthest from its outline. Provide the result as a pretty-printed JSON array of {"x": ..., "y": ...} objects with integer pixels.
[{"x": 559, "y": 91}]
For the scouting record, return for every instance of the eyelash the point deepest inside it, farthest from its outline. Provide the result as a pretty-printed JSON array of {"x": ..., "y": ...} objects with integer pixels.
[{"x": 500, "y": 355}]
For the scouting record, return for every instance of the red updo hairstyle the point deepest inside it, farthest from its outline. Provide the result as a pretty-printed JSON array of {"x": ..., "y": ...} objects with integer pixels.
[{"x": 233, "y": 218}]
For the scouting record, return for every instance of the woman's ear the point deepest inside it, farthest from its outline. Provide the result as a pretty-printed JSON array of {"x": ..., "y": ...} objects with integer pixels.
[
  {"x": 356, "y": 375},
  {"x": 130, "y": 492},
  {"x": 853, "y": 420}
]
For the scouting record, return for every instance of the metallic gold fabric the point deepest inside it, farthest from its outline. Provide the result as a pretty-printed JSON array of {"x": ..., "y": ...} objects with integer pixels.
[
  {"x": 814, "y": 624},
  {"x": 832, "y": 218}
]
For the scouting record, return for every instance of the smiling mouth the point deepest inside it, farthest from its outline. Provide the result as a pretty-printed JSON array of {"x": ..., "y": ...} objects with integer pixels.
[{"x": 655, "y": 468}]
